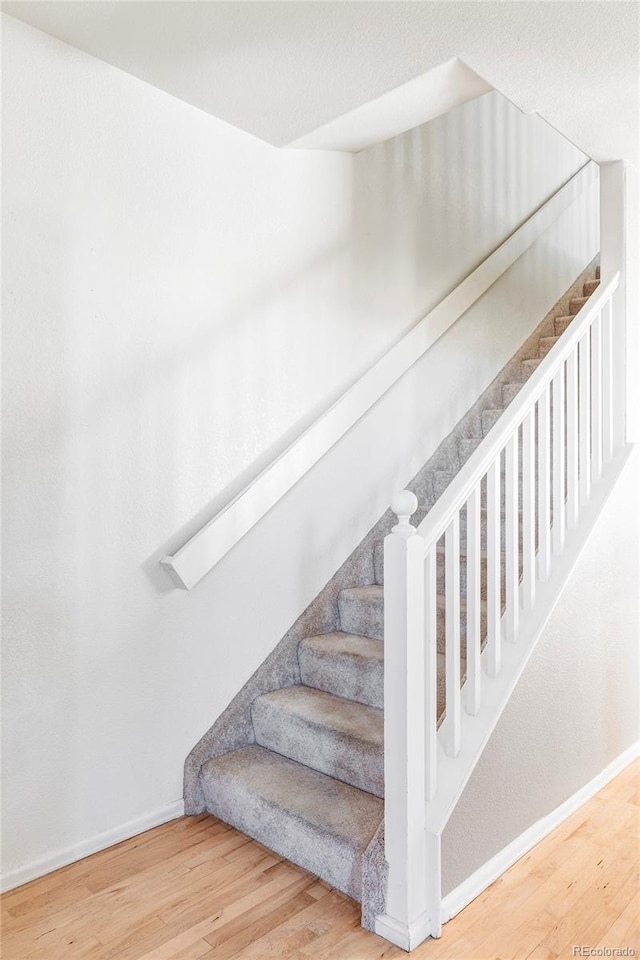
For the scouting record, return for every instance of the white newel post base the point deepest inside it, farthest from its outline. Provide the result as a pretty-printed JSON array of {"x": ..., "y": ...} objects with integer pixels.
[{"x": 405, "y": 936}]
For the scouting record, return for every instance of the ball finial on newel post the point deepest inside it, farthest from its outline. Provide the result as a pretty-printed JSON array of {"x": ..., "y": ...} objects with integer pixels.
[{"x": 404, "y": 504}]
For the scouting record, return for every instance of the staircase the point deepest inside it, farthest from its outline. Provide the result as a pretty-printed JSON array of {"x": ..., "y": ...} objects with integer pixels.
[{"x": 303, "y": 772}]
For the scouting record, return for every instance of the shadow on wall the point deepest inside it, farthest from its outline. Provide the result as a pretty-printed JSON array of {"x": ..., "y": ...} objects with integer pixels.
[
  {"x": 199, "y": 357},
  {"x": 427, "y": 207},
  {"x": 433, "y": 203}
]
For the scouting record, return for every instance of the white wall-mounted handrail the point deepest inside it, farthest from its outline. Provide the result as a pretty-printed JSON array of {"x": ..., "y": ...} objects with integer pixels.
[
  {"x": 455, "y": 496},
  {"x": 193, "y": 560}
]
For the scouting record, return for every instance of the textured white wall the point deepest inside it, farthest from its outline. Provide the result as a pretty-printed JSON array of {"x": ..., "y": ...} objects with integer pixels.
[
  {"x": 179, "y": 297},
  {"x": 434, "y": 202},
  {"x": 562, "y": 726}
]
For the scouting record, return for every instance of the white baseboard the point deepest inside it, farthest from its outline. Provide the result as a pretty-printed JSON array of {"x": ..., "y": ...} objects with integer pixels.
[
  {"x": 100, "y": 841},
  {"x": 403, "y": 935},
  {"x": 474, "y": 885},
  {"x": 386, "y": 927}
]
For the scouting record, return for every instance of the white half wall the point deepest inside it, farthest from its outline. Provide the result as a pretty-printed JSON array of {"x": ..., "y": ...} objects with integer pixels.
[
  {"x": 576, "y": 708},
  {"x": 180, "y": 299}
]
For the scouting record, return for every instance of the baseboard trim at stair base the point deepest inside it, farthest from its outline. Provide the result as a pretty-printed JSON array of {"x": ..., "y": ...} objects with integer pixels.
[
  {"x": 403, "y": 935},
  {"x": 100, "y": 841},
  {"x": 487, "y": 874}
]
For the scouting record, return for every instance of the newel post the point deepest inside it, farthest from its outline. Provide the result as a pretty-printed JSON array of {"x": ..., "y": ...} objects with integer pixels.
[{"x": 405, "y": 921}]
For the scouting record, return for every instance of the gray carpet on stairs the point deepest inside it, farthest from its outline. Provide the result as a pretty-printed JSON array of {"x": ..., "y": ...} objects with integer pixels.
[
  {"x": 344, "y": 664},
  {"x": 296, "y": 761},
  {"x": 336, "y": 736},
  {"x": 319, "y": 822}
]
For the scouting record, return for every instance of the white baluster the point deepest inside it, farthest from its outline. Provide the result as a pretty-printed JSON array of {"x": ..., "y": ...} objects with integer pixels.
[
  {"x": 404, "y": 710},
  {"x": 473, "y": 685},
  {"x": 607, "y": 382},
  {"x": 512, "y": 552},
  {"x": 494, "y": 559},
  {"x": 451, "y": 726},
  {"x": 431, "y": 673},
  {"x": 559, "y": 478},
  {"x": 572, "y": 439},
  {"x": 596, "y": 399},
  {"x": 529, "y": 510},
  {"x": 544, "y": 487},
  {"x": 584, "y": 405}
]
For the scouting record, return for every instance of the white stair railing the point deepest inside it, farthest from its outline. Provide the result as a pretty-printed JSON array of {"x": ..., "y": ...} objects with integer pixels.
[{"x": 557, "y": 435}]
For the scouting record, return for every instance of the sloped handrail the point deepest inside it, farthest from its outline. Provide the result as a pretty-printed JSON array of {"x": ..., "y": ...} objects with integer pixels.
[{"x": 210, "y": 544}]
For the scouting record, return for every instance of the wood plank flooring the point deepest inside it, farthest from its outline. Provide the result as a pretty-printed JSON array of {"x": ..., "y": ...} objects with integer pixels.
[{"x": 195, "y": 889}]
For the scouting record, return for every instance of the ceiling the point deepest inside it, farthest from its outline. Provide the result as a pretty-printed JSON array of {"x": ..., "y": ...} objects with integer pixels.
[{"x": 280, "y": 70}]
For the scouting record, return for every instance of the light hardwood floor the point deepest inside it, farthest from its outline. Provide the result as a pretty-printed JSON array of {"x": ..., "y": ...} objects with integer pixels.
[{"x": 195, "y": 888}]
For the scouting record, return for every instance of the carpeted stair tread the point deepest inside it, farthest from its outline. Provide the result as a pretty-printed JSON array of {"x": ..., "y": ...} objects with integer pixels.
[
  {"x": 313, "y": 820},
  {"x": 510, "y": 391},
  {"x": 361, "y": 610},
  {"x": 366, "y": 606},
  {"x": 440, "y": 481},
  {"x": 560, "y": 324},
  {"x": 577, "y": 304},
  {"x": 335, "y": 736},
  {"x": 530, "y": 365},
  {"x": 345, "y": 664},
  {"x": 546, "y": 344},
  {"x": 467, "y": 445},
  {"x": 490, "y": 418},
  {"x": 589, "y": 287}
]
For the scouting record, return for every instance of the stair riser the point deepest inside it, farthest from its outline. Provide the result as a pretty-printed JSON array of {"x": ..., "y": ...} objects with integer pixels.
[
  {"x": 528, "y": 366},
  {"x": 335, "y": 857},
  {"x": 294, "y": 839},
  {"x": 561, "y": 324},
  {"x": 447, "y": 459},
  {"x": 343, "y": 757},
  {"x": 509, "y": 392},
  {"x": 467, "y": 446},
  {"x": 523, "y": 369},
  {"x": 361, "y": 617},
  {"x": 576, "y": 305},
  {"x": 546, "y": 344},
  {"x": 440, "y": 483},
  {"x": 362, "y": 682},
  {"x": 378, "y": 561},
  {"x": 489, "y": 420},
  {"x": 463, "y": 631}
]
